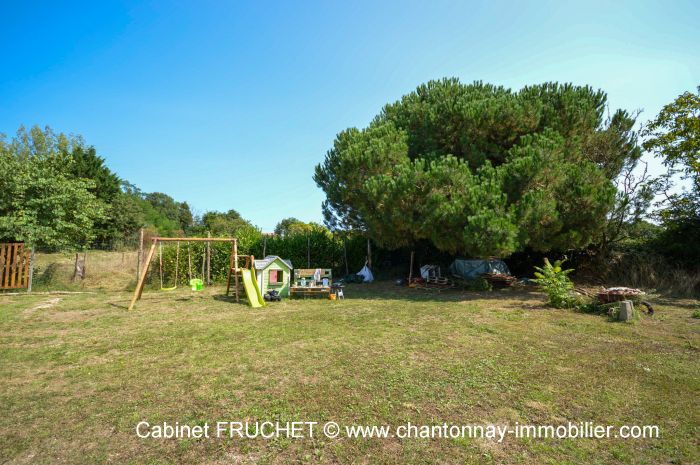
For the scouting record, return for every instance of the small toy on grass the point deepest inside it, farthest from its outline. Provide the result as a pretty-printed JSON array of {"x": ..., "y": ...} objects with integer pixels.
[{"x": 272, "y": 296}]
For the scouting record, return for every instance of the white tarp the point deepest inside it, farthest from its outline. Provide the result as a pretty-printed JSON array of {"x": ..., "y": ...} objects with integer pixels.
[
  {"x": 366, "y": 273},
  {"x": 429, "y": 271}
]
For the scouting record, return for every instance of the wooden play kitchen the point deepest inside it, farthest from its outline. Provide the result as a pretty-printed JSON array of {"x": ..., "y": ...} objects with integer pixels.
[{"x": 310, "y": 282}]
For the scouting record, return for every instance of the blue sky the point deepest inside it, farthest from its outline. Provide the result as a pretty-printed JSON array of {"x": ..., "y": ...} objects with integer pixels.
[{"x": 232, "y": 104}]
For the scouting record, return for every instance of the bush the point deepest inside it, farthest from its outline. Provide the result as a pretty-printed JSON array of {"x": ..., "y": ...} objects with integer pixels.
[
  {"x": 478, "y": 285},
  {"x": 555, "y": 283},
  {"x": 649, "y": 270}
]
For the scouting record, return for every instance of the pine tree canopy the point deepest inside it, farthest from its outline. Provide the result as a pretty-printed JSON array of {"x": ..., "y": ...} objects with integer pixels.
[{"x": 480, "y": 169}]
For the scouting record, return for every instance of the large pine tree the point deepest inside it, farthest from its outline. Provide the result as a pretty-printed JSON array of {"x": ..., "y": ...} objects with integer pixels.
[{"x": 480, "y": 169}]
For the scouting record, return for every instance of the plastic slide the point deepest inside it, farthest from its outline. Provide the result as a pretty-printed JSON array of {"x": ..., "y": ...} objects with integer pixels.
[{"x": 255, "y": 298}]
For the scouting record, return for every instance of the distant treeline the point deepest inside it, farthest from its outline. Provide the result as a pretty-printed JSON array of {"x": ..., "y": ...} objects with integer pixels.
[{"x": 58, "y": 194}]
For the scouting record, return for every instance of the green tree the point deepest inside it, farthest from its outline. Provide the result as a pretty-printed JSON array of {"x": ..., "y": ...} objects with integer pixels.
[
  {"x": 88, "y": 165},
  {"x": 356, "y": 156},
  {"x": 223, "y": 224},
  {"x": 126, "y": 216},
  {"x": 167, "y": 215},
  {"x": 560, "y": 200},
  {"x": 479, "y": 169},
  {"x": 42, "y": 202},
  {"x": 185, "y": 217},
  {"x": 291, "y": 226},
  {"x": 674, "y": 136}
]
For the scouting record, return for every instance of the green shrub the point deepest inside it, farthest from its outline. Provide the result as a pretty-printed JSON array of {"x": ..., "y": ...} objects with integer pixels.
[
  {"x": 478, "y": 285},
  {"x": 555, "y": 282}
]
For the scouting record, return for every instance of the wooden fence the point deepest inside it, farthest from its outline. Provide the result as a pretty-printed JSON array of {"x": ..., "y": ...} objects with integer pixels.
[{"x": 14, "y": 266}]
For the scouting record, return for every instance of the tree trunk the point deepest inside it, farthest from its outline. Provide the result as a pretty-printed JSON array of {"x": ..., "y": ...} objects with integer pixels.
[
  {"x": 345, "y": 252},
  {"x": 31, "y": 271},
  {"x": 79, "y": 269},
  {"x": 369, "y": 254}
]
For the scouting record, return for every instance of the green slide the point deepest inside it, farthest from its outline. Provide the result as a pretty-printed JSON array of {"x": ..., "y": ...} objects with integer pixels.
[{"x": 255, "y": 298}]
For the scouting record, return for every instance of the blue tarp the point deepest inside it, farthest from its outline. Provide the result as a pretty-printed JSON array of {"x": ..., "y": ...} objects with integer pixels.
[{"x": 472, "y": 269}]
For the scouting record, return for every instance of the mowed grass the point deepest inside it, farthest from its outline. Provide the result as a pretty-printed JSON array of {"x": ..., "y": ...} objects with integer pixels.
[{"x": 78, "y": 372}]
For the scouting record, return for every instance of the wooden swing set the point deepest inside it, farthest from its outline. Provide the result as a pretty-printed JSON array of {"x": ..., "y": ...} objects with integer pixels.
[{"x": 157, "y": 242}]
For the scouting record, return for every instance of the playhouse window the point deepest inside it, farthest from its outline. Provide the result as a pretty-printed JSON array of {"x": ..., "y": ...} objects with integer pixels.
[{"x": 276, "y": 276}]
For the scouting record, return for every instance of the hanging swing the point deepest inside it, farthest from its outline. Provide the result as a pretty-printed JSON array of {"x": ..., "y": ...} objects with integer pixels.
[
  {"x": 177, "y": 266},
  {"x": 196, "y": 284}
]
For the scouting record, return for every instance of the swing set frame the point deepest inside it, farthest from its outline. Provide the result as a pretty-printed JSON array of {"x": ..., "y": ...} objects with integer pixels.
[{"x": 233, "y": 262}]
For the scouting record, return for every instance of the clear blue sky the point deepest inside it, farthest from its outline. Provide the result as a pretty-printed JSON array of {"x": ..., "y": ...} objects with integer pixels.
[{"x": 232, "y": 104}]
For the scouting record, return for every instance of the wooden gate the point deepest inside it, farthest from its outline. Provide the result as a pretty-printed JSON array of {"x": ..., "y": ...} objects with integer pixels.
[{"x": 14, "y": 266}]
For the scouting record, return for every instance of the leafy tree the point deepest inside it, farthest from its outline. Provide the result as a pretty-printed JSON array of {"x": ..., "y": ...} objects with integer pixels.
[
  {"x": 616, "y": 151},
  {"x": 291, "y": 226},
  {"x": 42, "y": 202},
  {"x": 126, "y": 216},
  {"x": 223, "y": 224},
  {"x": 167, "y": 215},
  {"x": 87, "y": 164},
  {"x": 479, "y": 169},
  {"x": 185, "y": 217},
  {"x": 674, "y": 136}
]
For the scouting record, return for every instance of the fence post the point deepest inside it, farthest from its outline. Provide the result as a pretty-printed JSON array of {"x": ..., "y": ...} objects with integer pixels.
[
  {"x": 204, "y": 264},
  {"x": 208, "y": 260},
  {"x": 139, "y": 258},
  {"x": 77, "y": 270},
  {"x": 31, "y": 271}
]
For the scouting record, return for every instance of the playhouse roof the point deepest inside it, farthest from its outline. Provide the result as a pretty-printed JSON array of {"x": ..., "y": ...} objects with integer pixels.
[{"x": 265, "y": 262}]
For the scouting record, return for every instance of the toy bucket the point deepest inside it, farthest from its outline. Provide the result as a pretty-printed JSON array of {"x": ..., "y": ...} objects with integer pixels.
[{"x": 332, "y": 296}]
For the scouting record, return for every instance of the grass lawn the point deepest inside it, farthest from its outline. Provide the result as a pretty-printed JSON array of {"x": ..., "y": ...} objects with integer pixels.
[{"x": 78, "y": 372}]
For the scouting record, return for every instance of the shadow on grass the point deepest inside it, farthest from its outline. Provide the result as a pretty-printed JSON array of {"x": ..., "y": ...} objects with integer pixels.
[
  {"x": 376, "y": 291},
  {"x": 150, "y": 300},
  {"x": 124, "y": 306},
  {"x": 691, "y": 304},
  {"x": 388, "y": 290},
  {"x": 229, "y": 298}
]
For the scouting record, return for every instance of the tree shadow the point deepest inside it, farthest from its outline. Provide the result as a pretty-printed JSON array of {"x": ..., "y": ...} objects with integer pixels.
[
  {"x": 680, "y": 302},
  {"x": 120, "y": 306},
  {"x": 388, "y": 290},
  {"x": 228, "y": 299}
]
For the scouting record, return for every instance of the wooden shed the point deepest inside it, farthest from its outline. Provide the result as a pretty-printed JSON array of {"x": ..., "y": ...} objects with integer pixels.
[{"x": 273, "y": 273}]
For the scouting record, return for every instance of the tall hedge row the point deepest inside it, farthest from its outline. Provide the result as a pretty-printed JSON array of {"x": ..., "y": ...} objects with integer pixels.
[{"x": 317, "y": 249}]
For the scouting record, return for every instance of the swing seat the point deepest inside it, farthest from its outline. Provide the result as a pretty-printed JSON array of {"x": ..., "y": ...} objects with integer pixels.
[
  {"x": 168, "y": 288},
  {"x": 196, "y": 284}
]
